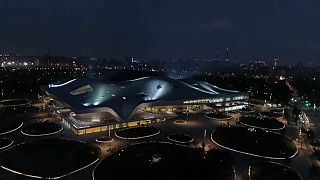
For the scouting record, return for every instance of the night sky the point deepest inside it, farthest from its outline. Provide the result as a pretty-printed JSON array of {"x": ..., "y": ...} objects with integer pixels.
[{"x": 284, "y": 29}]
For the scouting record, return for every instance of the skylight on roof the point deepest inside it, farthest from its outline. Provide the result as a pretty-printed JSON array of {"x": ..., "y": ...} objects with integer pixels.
[{"x": 82, "y": 90}]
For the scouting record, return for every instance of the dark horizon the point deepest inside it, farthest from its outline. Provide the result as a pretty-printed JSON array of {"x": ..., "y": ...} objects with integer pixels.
[{"x": 163, "y": 29}]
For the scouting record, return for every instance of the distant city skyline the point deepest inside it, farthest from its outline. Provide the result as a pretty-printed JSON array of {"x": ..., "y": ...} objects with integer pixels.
[
  {"x": 163, "y": 29},
  {"x": 224, "y": 57}
]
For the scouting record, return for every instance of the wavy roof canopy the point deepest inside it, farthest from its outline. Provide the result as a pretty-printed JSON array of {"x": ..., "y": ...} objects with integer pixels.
[{"x": 86, "y": 94}]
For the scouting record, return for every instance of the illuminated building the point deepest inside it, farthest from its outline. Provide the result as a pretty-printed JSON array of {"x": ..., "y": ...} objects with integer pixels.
[{"x": 89, "y": 105}]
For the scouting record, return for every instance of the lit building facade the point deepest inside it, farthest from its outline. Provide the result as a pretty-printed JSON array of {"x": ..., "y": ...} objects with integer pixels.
[{"x": 90, "y": 105}]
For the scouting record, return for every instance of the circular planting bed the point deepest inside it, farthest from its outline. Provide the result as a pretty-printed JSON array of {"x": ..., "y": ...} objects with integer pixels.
[
  {"x": 180, "y": 122},
  {"x": 246, "y": 110},
  {"x": 270, "y": 114},
  {"x": 164, "y": 161},
  {"x": 277, "y": 111},
  {"x": 9, "y": 125},
  {"x": 254, "y": 142},
  {"x": 270, "y": 170},
  {"x": 219, "y": 116},
  {"x": 180, "y": 138},
  {"x": 49, "y": 158},
  {"x": 41, "y": 129},
  {"x": 4, "y": 143},
  {"x": 104, "y": 139},
  {"x": 137, "y": 132},
  {"x": 261, "y": 122},
  {"x": 14, "y": 102}
]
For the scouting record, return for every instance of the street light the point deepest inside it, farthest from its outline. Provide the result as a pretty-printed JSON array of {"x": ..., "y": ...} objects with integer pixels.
[
  {"x": 187, "y": 115},
  {"x": 300, "y": 137}
]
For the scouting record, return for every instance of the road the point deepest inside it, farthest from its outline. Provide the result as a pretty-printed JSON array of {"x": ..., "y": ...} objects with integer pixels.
[{"x": 196, "y": 126}]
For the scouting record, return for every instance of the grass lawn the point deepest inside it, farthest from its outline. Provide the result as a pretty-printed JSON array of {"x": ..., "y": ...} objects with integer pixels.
[
  {"x": 49, "y": 157},
  {"x": 280, "y": 110},
  {"x": 13, "y": 102},
  {"x": 268, "y": 170},
  {"x": 246, "y": 110},
  {"x": 9, "y": 124},
  {"x": 218, "y": 115},
  {"x": 183, "y": 138},
  {"x": 137, "y": 132},
  {"x": 255, "y": 142},
  {"x": 262, "y": 122},
  {"x": 41, "y": 128},
  {"x": 177, "y": 162},
  {"x": 271, "y": 114},
  {"x": 5, "y": 142},
  {"x": 104, "y": 139}
]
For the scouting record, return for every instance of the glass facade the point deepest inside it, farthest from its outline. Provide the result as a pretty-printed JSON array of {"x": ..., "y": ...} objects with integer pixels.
[{"x": 103, "y": 128}]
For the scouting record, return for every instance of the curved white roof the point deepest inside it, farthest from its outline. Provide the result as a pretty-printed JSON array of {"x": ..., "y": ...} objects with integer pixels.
[{"x": 85, "y": 94}]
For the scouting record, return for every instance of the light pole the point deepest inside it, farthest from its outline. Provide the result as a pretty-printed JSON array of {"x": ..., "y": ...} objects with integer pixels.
[
  {"x": 187, "y": 115},
  {"x": 204, "y": 140},
  {"x": 300, "y": 138}
]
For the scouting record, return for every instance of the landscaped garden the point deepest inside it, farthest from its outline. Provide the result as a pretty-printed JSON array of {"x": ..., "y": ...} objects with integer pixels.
[
  {"x": 157, "y": 161},
  {"x": 180, "y": 138},
  {"x": 220, "y": 116},
  {"x": 254, "y": 142},
  {"x": 269, "y": 170},
  {"x": 261, "y": 122},
  {"x": 14, "y": 102},
  {"x": 104, "y": 139},
  {"x": 270, "y": 114},
  {"x": 49, "y": 158},
  {"x": 137, "y": 132},
  {"x": 278, "y": 111},
  {"x": 41, "y": 129},
  {"x": 9, "y": 124},
  {"x": 4, "y": 143},
  {"x": 247, "y": 110}
]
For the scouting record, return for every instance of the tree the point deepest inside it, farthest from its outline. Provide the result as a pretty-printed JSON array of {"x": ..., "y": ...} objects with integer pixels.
[{"x": 203, "y": 145}]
